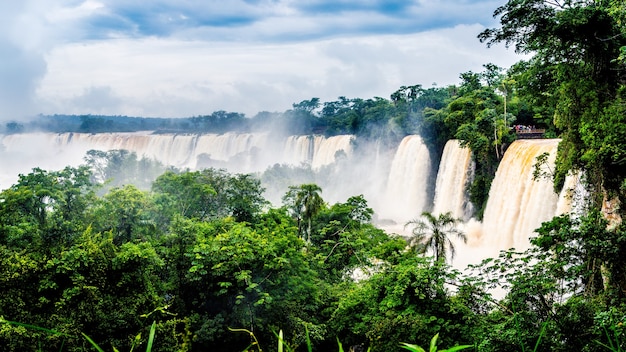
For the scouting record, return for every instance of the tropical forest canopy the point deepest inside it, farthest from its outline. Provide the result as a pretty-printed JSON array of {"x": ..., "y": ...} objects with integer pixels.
[{"x": 199, "y": 252}]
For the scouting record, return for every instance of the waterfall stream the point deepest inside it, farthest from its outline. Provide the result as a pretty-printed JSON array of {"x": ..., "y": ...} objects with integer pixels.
[{"x": 396, "y": 184}]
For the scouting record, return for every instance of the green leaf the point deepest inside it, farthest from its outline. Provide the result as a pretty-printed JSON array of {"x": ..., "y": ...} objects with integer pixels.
[
  {"x": 457, "y": 348},
  {"x": 92, "y": 342},
  {"x": 433, "y": 342},
  {"x": 151, "y": 337},
  {"x": 411, "y": 347}
]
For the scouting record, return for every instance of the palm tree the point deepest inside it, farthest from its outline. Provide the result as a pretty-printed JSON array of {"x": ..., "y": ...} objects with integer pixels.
[
  {"x": 434, "y": 233},
  {"x": 305, "y": 202},
  {"x": 311, "y": 203}
]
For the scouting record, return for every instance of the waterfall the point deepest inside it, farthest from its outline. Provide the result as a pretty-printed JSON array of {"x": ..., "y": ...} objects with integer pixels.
[
  {"x": 19, "y": 153},
  {"x": 326, "y": 148},
  {"x": 395, "y": 184},
  {"x": 317, "y": 150},
  {"x": 454, "y": 175},
  {"x": 170, "y": 149},
  {"x": 298, "y": 150},
  {"x": 407, "y": 186},
  {"x": 518, "y": 204},
  {"x": 237, "y": 152}
]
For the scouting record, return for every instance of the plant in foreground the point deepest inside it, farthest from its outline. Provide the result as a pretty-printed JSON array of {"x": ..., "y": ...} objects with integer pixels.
[
  {"x": 433, "y": 346},
  {"x": 282, "y": 346},
  {"x": 91, "y": 341}
]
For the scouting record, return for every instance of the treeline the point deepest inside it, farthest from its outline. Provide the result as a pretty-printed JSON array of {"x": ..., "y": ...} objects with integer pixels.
[
  {"x": 469, "y": 112},
  {"x": 364, "y": 117},
  {"x": 217, "y": 122}
]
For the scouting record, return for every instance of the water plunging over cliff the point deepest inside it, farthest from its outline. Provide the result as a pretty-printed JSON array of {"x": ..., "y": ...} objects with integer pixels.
[
  {"x": 407, "y": 186},
  {"x": 517, "y": 203},
  {"x": 238, "y": 152},
  {"x": 455, "y": 173},
  {"x": 395, "y": 184}
]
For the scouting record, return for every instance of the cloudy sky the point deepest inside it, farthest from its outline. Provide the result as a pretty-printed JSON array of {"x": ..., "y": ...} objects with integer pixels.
[{"x": 174, "y": 58}]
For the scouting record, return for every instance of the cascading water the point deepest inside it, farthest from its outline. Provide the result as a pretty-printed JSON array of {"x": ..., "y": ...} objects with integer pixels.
[
  {"x": 316, "y": 150},
  {"x": 237, "y": 149},
  {"x": 298, "y": 150},
  {"x": 398, "y": 191},
  {"x": 518, "y": 204},
  {"x": 407, "y": 187},
  {"x": 238, "y": 152},
  {"x": 573, "y": 196},
  {"x": 19, "y": 153},
  {"x": 326, "y": 148},
  {"x": 454, "y": 175}
]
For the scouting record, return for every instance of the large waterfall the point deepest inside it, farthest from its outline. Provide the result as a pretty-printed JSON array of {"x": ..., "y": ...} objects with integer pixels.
[
  {"x": 397, "y": 183},
  {"x": 407, "y": 186},
  {"x": 518, "y": 203},
  {"x": 316, "y": 150},
  {"x": 454, "y": 175}
]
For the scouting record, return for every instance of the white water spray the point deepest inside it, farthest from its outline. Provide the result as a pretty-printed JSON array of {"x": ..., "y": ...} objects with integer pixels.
[
  {"x": 518, "y": 204},
  {"x": 455, "y": 173},
  {"x": 407, "y": 187}
]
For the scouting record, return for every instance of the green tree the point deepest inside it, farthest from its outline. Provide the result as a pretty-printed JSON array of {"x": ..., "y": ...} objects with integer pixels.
[
  {"x": 125, "y": 212},
  {"x": 245, "y": 197},
  {"x": 404, "y": 300},
  {"x": 208, "y": 194},
  {"x": 344, "y": 239},
  {"x": 305, "y": 202},
  {"x": 189, "y": 194},
  {"x": 46, "y": 208},
  {"x": 433, "y": 233},
  {"x": 254, "y": 278},
  {"x": 545, "y": 304},
  {"x": 91, "y": 286},
  {"x": 573, "y": 70},
  {"x": 588, "y": 255}
]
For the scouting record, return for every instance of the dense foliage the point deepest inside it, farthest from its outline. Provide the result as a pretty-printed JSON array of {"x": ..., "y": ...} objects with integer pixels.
[{"x": 198, "y": 253}]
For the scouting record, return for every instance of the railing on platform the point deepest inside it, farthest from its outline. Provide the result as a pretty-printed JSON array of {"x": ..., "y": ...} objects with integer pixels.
[{"x": 529, "y": 132}]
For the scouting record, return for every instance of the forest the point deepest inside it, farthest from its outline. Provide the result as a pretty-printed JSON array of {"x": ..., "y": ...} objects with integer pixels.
[{"x": 122, "y": 251}]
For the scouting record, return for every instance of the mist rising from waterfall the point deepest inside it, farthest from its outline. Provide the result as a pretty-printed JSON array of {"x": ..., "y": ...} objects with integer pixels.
[
  {"x": 395, "y": 181},
  {"x": 237, "y": 152}
]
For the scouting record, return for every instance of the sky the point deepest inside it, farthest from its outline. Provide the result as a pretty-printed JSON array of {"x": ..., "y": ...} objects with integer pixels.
[{"x": 180, "y": 58}]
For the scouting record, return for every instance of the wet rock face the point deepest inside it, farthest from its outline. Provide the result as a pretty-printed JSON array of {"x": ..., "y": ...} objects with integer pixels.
[{"x": 610, "y": 210}]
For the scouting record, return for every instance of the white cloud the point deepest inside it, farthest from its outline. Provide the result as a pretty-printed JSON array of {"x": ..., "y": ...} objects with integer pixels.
[
  {"x": 23, "y": 66},
  {"x": 97, "y": 100},
  {"x": 168, "y": 77},
  {"x": 181, "y": 58},
  {"x": 82, "y": 10}
]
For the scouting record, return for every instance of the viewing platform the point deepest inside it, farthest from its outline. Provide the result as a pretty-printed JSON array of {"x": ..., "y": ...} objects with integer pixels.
[{"x": 528, "y": 132}]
